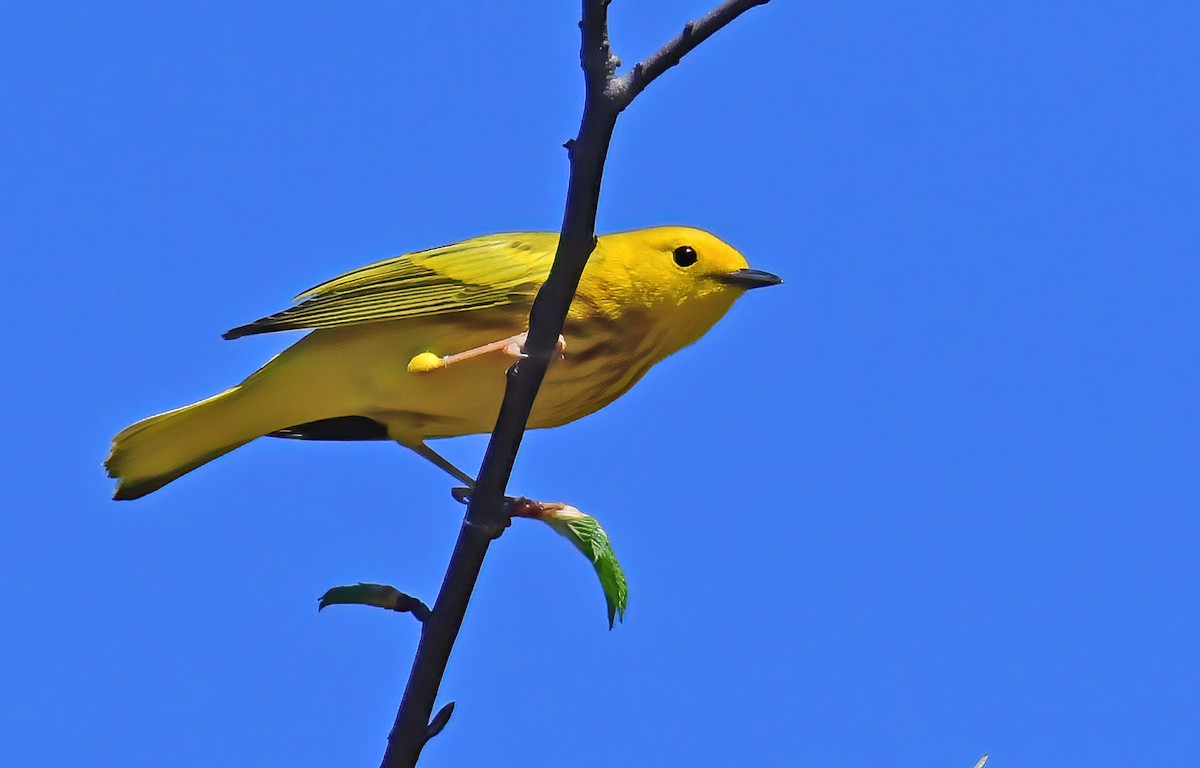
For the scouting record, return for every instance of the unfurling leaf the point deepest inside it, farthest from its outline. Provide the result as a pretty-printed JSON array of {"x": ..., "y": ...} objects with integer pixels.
[
  {"x": 378, "y": 595},
  {"x": 585, "y": 532}
]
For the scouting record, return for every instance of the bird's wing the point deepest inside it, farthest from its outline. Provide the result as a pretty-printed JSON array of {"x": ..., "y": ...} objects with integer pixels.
[{"x": 475, "y": 274}]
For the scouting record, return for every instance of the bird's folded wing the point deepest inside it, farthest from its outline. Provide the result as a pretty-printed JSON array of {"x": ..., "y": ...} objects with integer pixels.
[{"x": 475, "y": 274}]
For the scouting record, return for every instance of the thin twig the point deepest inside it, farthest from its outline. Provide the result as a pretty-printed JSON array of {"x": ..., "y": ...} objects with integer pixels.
[
  {"x": 625, "y": 88},
  {"x": 487, "y": 514}
]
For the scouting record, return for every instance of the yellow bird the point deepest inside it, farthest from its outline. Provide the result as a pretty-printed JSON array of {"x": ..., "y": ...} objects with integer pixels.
[{"x": 415, "y": 347}]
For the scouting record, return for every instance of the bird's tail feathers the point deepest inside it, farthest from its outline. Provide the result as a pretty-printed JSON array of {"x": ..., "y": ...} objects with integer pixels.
[{"x": 154, "y": 451}]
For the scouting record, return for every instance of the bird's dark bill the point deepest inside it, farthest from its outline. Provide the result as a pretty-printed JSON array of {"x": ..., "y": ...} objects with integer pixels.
[{"x": 750, "y": 278}]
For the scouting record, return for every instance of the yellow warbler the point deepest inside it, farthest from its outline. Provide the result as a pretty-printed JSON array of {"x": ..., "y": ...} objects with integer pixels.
[{"x": 415, "y": 347}]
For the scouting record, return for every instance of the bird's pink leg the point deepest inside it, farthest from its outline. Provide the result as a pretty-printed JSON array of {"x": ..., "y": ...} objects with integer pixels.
[{"x": 513, "y": 346}]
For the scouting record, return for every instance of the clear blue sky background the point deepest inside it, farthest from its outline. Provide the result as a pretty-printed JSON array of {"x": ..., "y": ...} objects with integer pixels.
[{"x": 937, "y": 495}]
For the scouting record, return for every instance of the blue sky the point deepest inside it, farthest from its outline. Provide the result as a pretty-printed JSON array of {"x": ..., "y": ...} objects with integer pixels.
[{"x": 937, "y": 495}]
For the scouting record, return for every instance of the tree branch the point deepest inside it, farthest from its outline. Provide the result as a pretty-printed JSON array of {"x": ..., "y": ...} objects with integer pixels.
[
  {"x": 488, "y": 514},
  {"x": 625, "y": 88}
]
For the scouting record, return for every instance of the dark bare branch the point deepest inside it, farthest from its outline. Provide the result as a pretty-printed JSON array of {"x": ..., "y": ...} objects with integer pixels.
[
  {"x": 623, "y": 89},
  {"x": 595, "y": 53},
  {"x": 488, "y": 510}
]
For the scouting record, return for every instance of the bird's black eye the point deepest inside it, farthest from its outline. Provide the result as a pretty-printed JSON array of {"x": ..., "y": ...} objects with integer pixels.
[{"x": 685, "y": 255}]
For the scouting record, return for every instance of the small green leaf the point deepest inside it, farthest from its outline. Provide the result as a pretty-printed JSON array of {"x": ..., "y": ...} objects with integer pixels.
[
  {"x": 585, "y": 532},
  {"x": 378, "y": 595}
]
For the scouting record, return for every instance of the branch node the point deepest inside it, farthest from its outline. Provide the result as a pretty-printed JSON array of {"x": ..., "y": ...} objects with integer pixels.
[
  {"x": 688, "y": 29},
  {"x": 493, "y": 530},
  {"x": 439, "y": 721},
  {"x": 569, "y": 145},
  {"x": 416, "y": 607},
  {"x": 523, "y": 507}
]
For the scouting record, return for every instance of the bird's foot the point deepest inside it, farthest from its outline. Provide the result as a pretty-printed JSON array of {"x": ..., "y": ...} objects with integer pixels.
[
  {"x": 516, "y": 346},
  {"x": 513, "y": 346}
]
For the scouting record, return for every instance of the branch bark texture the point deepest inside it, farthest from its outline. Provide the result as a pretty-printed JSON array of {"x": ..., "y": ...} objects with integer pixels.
[{"x": 606, "y": 95}]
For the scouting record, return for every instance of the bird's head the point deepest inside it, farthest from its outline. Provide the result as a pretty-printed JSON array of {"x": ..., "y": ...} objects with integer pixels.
[
  {"x": 676, "y": 265},
  {"x": 686, "y": 277}
]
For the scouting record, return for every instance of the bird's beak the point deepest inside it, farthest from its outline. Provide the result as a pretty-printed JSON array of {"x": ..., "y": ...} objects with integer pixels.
[{"x": 750, "y": 278}]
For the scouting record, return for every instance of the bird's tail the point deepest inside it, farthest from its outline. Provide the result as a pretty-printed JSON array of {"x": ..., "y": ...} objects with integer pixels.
[{"x": 155, "y": 451}]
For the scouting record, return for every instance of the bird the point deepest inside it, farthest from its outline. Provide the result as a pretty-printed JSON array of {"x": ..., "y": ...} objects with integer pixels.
[{"x": 414, "y": 347}]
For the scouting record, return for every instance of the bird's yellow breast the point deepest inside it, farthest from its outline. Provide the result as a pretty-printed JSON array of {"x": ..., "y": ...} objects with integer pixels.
[{"x": 362, "y": 369}]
